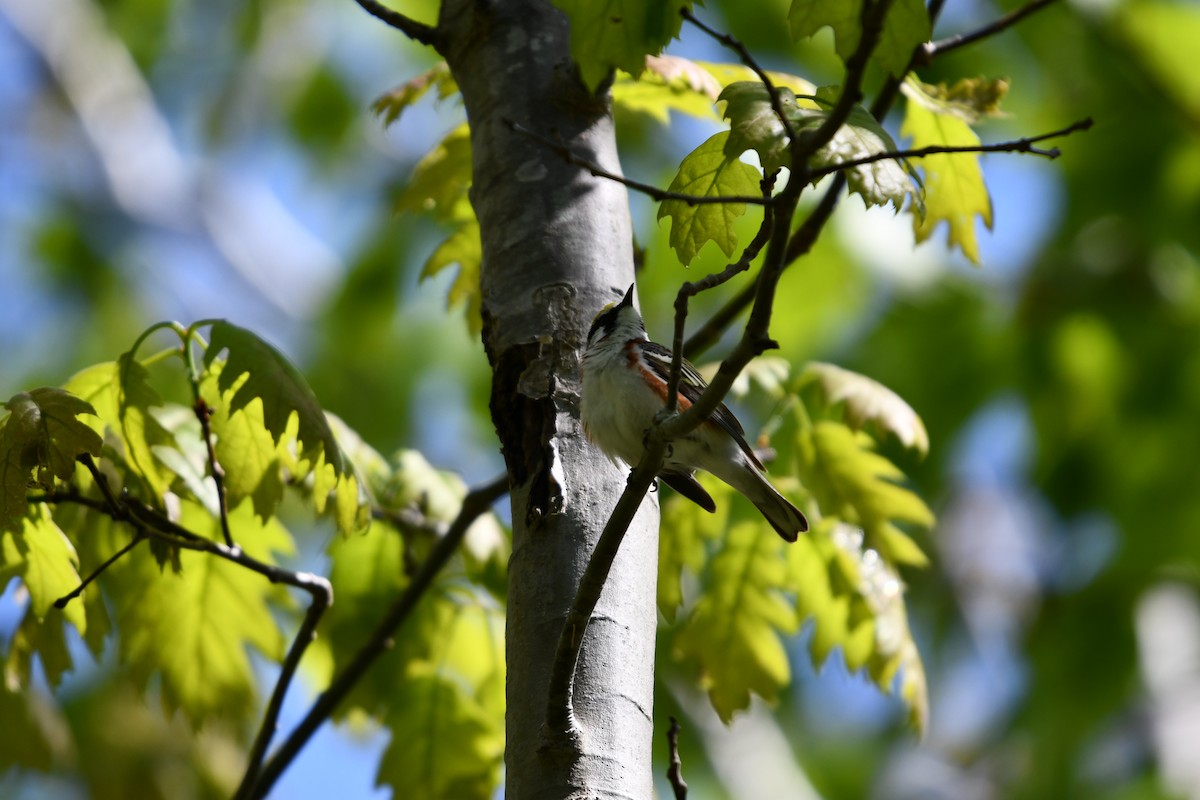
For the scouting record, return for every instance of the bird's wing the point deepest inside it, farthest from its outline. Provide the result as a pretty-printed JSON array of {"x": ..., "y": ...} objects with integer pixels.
[{"x": 691, "y": 386}]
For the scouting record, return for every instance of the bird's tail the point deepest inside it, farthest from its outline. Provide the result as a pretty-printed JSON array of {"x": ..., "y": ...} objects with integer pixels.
[{"x": 787, "y": 520}]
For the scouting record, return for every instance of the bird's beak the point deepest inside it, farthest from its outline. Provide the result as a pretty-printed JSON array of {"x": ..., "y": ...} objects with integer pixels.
[{"x": 628, "y": 299}]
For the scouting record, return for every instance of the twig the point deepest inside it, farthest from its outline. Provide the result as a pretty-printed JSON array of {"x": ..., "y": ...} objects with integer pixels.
[
  {"x": 322, "y": 598},
  {"x": 675, "y": 765},
  {"x": 931, "y": 50},
  {"x": 743, "y": 52},
  {"x": 204, "y": 414},
  {"x": 689, "y": 290},
  {"x": 474, "y": 504},
  {"x": 62, "y": 601},
  {"x": 1024, "y": 145},
  {"x": 645, "y": 188},
  {"x": 417, "y": 31}
]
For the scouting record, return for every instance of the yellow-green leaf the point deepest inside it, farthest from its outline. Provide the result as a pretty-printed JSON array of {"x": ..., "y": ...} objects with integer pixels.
[
  {"x": 44, "y": 559},
  {"x": 464, "y": 249},
  {"x": 868, "y": 402},
  {"x": 392, "y": 104},
  {"x": 856, "y": 485},
  {"x": 708, "y": 172},
  {"x": 193, "y": 629},
  {"x": 905, "y": 27},
  {"x": 619, "y": 34},
  {"x": 955, "y": 192},
  {"x": 733, "y": 633},
  {"x": 685, "y": 535}
]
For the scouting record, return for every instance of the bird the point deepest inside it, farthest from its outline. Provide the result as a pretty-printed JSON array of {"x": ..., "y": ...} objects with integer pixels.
[{"x": 624, "y": 386}]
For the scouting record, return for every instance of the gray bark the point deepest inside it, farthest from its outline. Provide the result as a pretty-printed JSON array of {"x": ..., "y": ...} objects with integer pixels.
[{"x": 557, "y": 246}]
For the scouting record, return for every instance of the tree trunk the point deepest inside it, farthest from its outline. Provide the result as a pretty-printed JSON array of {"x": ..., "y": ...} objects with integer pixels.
[{"x": 557, "y": 246}]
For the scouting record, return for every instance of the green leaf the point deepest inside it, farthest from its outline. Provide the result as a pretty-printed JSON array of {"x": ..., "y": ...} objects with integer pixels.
[
  {"x": 619, "y": 34},
  {"x": 868, "y": 402},
  {"x": 905, "y": 28},
  {"x": 708, "y": 172},
  {"x": 41, "y": 433},
  {"x": 192, "y": 630},
  {"x": 969, "y": 99},
  {"x": 954, "y": 189},
  {"x": 392, "y": 104},
  {"x": 686, "y": 533},
  {"x": 854, "y": 484},
  {"x": 34, "y": 734},
  {"x": 43, "y": 558},
  {"x": 249, "y": 456},
  {"x": 140, "y": 430},
  {"x": 754, "y": 125},
  {"x": 45, "y": 639},
  {"x": 462, "y": 248},
  {"x": 439, "y": 182},
  {"x": 671, "y": 83},
  {"x": 733, "y": 632},
  {"x": 280, "y": 386}
]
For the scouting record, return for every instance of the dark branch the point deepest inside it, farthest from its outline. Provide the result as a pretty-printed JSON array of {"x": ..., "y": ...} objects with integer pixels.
[
  {"x": 690, "y": 290},
  {"x": 675, "y": 765},
  {"x": 1016, "y": 146},
  {"x": 652, "y": 191},
  {"x": 932, "y": 50},
  {"x": 474, "y": 504},
  {"x": 322, "y": 598},
  {"x": 417, "y": 31},
  {"x": 62, "y": 601},
  {"x": 204, "y": 414},
  {"x": 743, "y": 52}
]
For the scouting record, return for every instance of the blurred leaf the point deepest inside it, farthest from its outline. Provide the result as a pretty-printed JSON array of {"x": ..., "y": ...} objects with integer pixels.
[
  {"x": 323, "y": 111},
  {"x": 708, "y": 172},
  {"x": 447, "y": 714},
  {"x": 970, "y": 99},
  {"x": 954, "y": 187},
  {"x": 439, "y": 183},
  {"x": 42, "y": 432},
  {"x": 34, "y": 735},
  {"x": 45, "y": 639},
  {"x": 733, "y": 632},
  {"x": 192, "y": 630},
  {"x": 868, "y": 401},
  {"x": 464, "y": 250},
  {"x": 1165, "y": 35},
  {"x": 619, "y": 34},
  {"x": 686, "y": 533},
  {"x": 905, "y": 28},
  {"x": 856, "y": 485},
  {"x": 391, "y": 105},
  {"x": 42, "y": 557}
]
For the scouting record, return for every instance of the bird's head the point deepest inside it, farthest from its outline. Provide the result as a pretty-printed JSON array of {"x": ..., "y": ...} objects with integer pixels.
[{"x": 617, "y": 322}]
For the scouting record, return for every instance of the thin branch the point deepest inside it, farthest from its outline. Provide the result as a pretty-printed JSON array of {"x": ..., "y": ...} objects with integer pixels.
[
  {"x": 931, "y": 50},
  {"x": 689, "y": 290},
  {"x": 743, "y": 52},
  {"x": 417, "y": 31},
  {"x": 651, "y": 191},
  {"x": 322, "y": 597},
  {"x": 675, "y": 765},
  {"x": 1016, "y": 146},
  {"x": 204, "y": 414},
  {"x": 62, "y": 601},
  {"x": 474, "y": 504}
]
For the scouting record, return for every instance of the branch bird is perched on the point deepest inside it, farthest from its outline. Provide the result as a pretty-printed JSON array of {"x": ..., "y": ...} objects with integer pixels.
[{"x": 625, "y": 386}]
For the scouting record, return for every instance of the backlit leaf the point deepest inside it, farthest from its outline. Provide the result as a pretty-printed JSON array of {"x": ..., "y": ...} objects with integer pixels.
[
  {"x": 277, "y": 383},
  {"x": 193, "y": 630},
  {"x": 43, "y": 558},
  {"x": 858, "y": 486},
  {"x": 868, "y": 402},
  {"x": 708, "y": 172},
  {"x": 905, "y": 27},
  {"x": 687, "y": 531},
  {"x": 392, "y": 104},
  {"x": 464, "y": 250},
  {"x": 733, "y": 631},
  {"x": 619, "y": 34},
  {"x": 954, "y": 189},
  {"x": 41, "y": 435}
]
